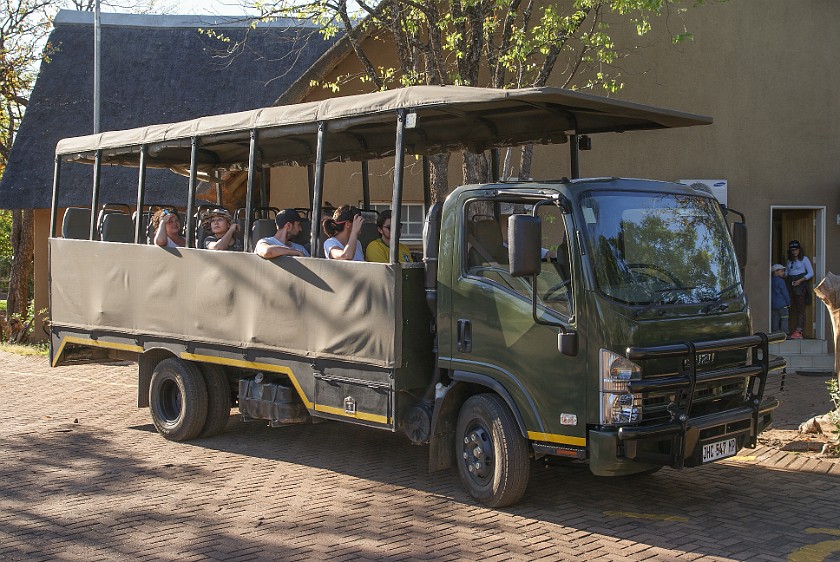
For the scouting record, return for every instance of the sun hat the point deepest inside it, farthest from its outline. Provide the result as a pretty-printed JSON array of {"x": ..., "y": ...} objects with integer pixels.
[{"x": 218, "y": 212}]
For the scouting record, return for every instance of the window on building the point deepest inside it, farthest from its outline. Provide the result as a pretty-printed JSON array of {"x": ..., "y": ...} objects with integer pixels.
[{"x": 411, "y": 218}]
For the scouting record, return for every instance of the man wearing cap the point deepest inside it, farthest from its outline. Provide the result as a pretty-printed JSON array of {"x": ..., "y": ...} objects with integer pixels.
[
  {"x": 288, "y": 226},
  {"x": 222, "y": 231}
]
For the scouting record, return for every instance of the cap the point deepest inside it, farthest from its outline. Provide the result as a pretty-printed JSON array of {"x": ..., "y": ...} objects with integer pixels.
[
  {"x": 218, "y": 212},
  {"x": 286, "y": 216},
  {"x": 776, "y": 267},
  {"x": 794, "y": 244}
]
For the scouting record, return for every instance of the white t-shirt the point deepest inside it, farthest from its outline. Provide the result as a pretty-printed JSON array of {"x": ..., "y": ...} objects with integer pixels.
[
  {"x": 272, "y": 241},
  {"x": 331, "y": 243}
]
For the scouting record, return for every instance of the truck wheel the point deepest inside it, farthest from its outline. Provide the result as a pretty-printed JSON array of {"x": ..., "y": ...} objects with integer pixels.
[
  {"x": 218, "y": 399},
  {"x": 492, "y": 455},
  {"x": 178, "y": 399}
]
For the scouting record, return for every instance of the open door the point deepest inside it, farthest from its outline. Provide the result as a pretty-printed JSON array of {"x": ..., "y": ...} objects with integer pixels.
[{"x": 803, "y": 224}]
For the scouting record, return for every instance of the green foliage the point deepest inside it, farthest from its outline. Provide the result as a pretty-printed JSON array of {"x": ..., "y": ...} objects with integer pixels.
[
  {"x": 834, "y": 416},
  {"x": 6, "y": 250},
  {"x": 520, "y": 43}
]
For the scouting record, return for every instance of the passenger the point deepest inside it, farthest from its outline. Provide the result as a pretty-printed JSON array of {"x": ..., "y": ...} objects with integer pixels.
[
  {"x": 288, "y": 226},
  {"x": 343, "y": 229},
  {"x": 379, "y": 250},
  {"x": 222, "y": 231},
  {"x": 167, "y": 226}
]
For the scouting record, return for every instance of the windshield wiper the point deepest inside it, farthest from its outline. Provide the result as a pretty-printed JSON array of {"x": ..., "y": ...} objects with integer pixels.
[
  {"x": 665, "y": 292},
  {"x": 722, "y": 292},
  {"x": 716, "y": 305}
]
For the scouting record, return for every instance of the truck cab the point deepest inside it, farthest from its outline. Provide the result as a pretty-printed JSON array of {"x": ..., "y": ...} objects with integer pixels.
[{"x": 626, "y": 341}]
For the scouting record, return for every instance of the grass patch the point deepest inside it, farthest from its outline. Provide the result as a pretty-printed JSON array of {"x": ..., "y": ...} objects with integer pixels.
[
  {"x": 3, "y": 306},
  {"x": 29, "y": 350}
]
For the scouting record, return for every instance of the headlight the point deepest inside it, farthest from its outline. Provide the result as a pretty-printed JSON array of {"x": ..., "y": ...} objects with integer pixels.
[{"x": 618, "y": 405}]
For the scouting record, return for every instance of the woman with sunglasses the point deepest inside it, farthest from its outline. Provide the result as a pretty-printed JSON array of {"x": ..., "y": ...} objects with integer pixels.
[
  {"x": 167, "y": 226},
  {"x": 379, "y": 250},
  {"x": 343, "y": 229}
]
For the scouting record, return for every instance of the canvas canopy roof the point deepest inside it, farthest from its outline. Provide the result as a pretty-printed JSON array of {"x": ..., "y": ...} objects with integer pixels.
[{"x": 363, "y": 126}]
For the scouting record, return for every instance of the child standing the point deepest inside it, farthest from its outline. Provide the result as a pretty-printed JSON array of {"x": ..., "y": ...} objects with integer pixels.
[{"x": 779, "y": 299}]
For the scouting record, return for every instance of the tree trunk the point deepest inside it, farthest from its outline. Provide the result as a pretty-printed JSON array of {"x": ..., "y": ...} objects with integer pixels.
[
  {"x": 525, "y": 158},
  {"x": 828, "y": 291},
  {"x": 439, "y": 176},
  {"x": 23, "y": 248},
  {"x": 476, "y": 168}
]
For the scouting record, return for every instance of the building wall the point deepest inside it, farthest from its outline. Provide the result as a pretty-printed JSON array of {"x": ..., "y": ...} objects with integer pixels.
[{"x": 764, "y": 69}]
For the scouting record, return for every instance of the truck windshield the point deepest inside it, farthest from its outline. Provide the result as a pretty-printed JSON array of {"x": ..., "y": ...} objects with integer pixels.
[{"x": 650, "y": 248}]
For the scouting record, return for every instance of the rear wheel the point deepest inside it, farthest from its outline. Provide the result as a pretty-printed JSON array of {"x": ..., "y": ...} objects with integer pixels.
[
  {"x": 178, "y": 399},
  {"x": 492, "y": 455},
  {"x": 218, "y": 399}
]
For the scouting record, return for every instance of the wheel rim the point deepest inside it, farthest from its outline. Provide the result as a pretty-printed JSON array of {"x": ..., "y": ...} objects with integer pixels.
[
  {"x": 478, "y": 454},
  {"x": 170, "y": 401}
]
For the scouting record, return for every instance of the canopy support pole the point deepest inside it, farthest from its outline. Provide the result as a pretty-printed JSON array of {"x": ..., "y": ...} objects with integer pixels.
[
  {"x": 54, "y": 206},
  {"x": 396, "y": 198},
  {"x": 190, "y": 235},
  {"x": 141, "y": 196},
  {"x": 317, "y": 189},
  {"x": 575, "y": 156},
  {"x": 94, "y": 198},
  {"x": 365, "y": 185},
  {"x": 249, "y": 191}
]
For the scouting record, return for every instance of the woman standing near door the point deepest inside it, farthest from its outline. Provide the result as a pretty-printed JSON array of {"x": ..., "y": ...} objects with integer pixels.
[{"x": 799, "y": 271}]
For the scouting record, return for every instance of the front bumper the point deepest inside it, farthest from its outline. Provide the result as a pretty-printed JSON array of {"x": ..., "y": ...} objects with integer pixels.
[{"x": 679, "y": 441}]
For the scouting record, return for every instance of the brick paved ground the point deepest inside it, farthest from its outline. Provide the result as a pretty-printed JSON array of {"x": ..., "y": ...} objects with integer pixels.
[{"x": 83, "y": 476}]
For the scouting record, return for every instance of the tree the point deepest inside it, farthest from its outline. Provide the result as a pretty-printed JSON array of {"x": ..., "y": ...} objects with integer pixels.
[
  {"x": 496, "y": 43},
  {"x": 24, "y": 27}
]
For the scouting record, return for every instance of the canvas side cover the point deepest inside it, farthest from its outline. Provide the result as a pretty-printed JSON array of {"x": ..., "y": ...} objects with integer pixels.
[{"x": 308, "y": 307}]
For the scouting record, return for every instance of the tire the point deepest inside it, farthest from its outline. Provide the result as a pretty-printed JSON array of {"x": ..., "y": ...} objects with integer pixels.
[
  {"x": 178, "y": 399},
  {"x": 491, "y": 453},
  {"x": 218, "y": 399}
]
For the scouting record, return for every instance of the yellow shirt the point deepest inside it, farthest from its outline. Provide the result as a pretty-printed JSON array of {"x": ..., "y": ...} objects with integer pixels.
[{"x": 378, "y": 251}]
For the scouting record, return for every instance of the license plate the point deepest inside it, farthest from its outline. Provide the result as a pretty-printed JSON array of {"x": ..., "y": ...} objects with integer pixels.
[{"x": 719, "y": 450}]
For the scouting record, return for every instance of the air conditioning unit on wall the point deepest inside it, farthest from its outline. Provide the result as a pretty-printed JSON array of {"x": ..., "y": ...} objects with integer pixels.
[{"x": 717, "y": 187}]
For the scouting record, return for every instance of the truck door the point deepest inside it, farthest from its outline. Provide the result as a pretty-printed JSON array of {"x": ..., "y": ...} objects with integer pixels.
[{"x": 495, "y": 335}]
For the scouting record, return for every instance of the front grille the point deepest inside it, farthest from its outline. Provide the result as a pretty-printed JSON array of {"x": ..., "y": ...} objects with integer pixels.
[{"x": 707, "y": 399}]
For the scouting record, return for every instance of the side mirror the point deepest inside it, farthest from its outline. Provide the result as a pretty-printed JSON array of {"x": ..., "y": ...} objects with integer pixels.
[
  {"x": 524, "y": 239},
  {"x": 739, "y": 240}
]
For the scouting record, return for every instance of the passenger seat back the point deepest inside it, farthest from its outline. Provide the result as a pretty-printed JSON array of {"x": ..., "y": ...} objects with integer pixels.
[
  {"x": 76, "y": 223},
  {"x": 117, "y": 227},
  {"x": 262, "y": 228}
]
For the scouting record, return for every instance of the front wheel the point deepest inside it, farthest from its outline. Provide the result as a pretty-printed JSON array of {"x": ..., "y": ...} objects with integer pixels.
[
  {"x": 492, "y": 454},
  {"x": 178, "y": 399}
]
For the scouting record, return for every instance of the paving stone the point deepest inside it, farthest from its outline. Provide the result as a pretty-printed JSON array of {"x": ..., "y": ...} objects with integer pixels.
[{"x": 108, "y": 487}]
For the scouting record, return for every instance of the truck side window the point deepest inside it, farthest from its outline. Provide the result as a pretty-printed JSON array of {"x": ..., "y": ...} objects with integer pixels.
[{"x": 486, "y": 253}]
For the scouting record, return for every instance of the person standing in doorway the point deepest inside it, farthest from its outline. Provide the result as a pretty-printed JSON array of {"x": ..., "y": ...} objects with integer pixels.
[
  {"x": 779, "y": 299},
  {"x": 799, "y": 272}
]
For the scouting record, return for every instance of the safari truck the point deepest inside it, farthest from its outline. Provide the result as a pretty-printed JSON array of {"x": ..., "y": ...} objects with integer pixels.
[{"x": 599, "y": 321}]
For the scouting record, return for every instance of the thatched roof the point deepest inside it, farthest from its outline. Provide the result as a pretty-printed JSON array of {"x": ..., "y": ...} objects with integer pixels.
[{"x": 155, "y": 69}]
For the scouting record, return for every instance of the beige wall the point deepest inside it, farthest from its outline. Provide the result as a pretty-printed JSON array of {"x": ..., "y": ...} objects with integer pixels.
[{"x": 764, "y": 69}]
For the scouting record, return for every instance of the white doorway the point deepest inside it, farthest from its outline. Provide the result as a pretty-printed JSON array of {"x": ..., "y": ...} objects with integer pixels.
[{"x": 806, "y": 224}]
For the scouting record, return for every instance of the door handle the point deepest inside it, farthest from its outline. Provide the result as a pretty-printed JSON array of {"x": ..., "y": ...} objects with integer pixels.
[{"x": 464, "y": 336}]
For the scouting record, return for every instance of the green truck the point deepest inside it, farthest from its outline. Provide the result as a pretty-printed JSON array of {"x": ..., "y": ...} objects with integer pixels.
[{"x": 593, "y": 320}]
